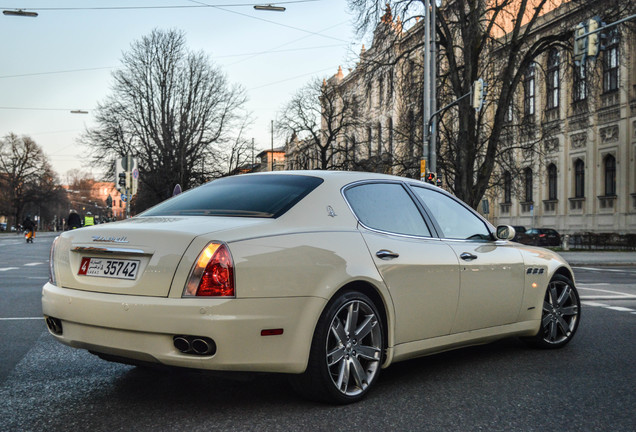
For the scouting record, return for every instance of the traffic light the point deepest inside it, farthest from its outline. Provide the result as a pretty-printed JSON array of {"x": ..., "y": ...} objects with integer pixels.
[
  {"x": 478, "y": 94},
  {"x": 594, "y": 39},
  {"x": 580, "y": 43},
  {"x": 121, "y": 183},
  {"x": 431, "y": 178}
]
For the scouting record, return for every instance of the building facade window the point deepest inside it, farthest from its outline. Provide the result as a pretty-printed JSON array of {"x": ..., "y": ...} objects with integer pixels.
[
  {"x": 379, "y": 139},
  {"x": 527, "y": 176},
  {"x": 610, "y": 62},
  {"x": 507, "y": 187},
  {"x": 380, "y": 91},
  {"x": 552, "y": 83},
  {"x": 389, "y": 127},
  {"x": 609, "y": 164},
  {"x": 369, "y": 141},
  {"x": 579, "y": 81},
  {"x": 552, "y": 182},
  {"x": 579, "y": 179},
  {"x": 528, "y": 92}
]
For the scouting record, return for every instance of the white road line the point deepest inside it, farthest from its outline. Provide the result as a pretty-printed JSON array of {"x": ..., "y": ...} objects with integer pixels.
[
  {"x": 589, "y": 303},
  {"x": 608, "y": 297},
  {"x": 620, "y": 308},
  {"x": 8, "y": 268},
  {"x": 21, "y": 319},
  {"x": 604, "y": 269},
  {"x": 33, "y": 264},
  {"x": 605, "y": 291}
]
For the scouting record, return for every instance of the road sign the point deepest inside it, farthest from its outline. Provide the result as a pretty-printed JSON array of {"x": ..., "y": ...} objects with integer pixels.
[{"x": 124, "y": 197}]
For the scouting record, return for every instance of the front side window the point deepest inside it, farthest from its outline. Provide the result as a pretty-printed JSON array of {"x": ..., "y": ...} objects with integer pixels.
[
  {"x": 386, "y": 207},
  {"x": 552, "y": 83},
  {"x": 267, "y": 196},
  {"x": 455, "y": 220}
]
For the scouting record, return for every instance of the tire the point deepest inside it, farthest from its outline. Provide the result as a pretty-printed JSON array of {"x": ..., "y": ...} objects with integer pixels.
[
  {"x": 346, "y": 352},
  {"x": 561, "y": 314}
]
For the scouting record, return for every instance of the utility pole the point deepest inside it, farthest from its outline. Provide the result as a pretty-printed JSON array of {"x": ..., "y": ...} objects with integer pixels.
[
  {"x": 271, "y": 156},
  {"x": 426, "y": 109}
]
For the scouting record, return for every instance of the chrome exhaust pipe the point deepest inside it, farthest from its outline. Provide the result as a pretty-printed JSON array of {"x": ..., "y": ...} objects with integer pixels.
[
  {"x": 182, "y": 344},
  {"x": 201, "y": 346},
  {"x": 54, "y": 325},
  {"x": 194, "y": 345}
]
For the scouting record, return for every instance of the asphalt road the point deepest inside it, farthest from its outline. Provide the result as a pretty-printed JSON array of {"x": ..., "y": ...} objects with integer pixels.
[{"x": 505, "y": 386}]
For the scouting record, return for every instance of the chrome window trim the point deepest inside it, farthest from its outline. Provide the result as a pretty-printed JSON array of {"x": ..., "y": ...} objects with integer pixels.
[{"x": 375, "y": 181}]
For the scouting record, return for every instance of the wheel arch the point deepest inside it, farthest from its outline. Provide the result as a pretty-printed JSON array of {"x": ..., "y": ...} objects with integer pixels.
[
  {"x": 564, "y": 271},
  {"x": 380, "y": 302}
]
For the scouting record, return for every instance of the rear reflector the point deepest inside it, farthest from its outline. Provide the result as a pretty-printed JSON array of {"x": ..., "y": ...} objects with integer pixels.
[{"x": 271, "y": 332}]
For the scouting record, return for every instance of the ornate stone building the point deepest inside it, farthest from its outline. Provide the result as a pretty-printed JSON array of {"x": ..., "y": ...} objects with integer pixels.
[{"x": 581, "y": 177}]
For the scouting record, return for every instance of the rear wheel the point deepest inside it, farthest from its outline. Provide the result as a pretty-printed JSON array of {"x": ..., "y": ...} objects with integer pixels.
[
  {"x": 561, "y": 314},
  {"x": 346, "y": 351}
]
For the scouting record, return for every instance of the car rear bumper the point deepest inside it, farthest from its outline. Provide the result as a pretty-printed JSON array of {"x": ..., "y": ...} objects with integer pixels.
[{"x": 143, "y": 328}]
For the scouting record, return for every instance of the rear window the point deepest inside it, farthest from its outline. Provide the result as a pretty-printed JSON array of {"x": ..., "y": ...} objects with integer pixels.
[{"x": 265, "y": 196}]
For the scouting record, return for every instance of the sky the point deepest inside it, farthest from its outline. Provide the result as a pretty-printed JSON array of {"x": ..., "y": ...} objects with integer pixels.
[{"x": 62, "y": 60}]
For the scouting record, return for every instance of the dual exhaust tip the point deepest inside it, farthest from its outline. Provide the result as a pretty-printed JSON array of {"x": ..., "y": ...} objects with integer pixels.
[
  {"x": 54, "y": 325},
  {"x": 195, "y": 345}
]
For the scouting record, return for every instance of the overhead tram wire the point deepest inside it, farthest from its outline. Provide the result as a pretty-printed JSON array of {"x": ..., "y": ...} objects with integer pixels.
[{"x": 202, "y": 5}]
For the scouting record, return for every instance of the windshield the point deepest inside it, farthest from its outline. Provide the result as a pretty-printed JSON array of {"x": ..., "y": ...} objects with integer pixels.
[{"x": 265, "y": 196}]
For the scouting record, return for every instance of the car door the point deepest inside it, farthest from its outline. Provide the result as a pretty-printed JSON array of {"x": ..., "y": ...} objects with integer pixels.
[
  {"x": 421, "y": 272},
  {"x": 491, "y": 271}
]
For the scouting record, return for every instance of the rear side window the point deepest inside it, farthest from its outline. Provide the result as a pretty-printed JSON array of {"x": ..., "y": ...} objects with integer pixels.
[
  {"x": 386, "y": 207},
  {"x": 266, "y": 196}
]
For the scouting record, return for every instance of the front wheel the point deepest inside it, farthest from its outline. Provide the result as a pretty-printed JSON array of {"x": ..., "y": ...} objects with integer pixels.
[
  {"x": 346, "y": 351},
  {"x": 561, "y": 314}
]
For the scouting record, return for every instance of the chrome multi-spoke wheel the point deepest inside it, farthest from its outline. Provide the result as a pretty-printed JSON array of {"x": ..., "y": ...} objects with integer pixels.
[
  {"x": 561, "y": 313},
  {"x": 346, "y": 352},
  {"x": 354, "y": 347}
]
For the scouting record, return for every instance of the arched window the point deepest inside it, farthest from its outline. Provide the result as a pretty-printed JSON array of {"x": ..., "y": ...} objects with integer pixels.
[
  {"x": 552, "y": 81},
  {"x": 527, "y": 174},
  {"x": 579, "y": 179},
  {"x": 610, "y": 175},
  {"x": 507, "y": 187},
  {"x": 552, "y": 182}
]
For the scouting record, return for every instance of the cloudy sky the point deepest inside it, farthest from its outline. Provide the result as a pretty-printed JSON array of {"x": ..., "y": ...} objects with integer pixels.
[{"x": 62, "y": 60}]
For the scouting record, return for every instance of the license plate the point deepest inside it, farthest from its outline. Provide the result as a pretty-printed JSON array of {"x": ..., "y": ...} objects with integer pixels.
[{"x": 110, "y": 268}]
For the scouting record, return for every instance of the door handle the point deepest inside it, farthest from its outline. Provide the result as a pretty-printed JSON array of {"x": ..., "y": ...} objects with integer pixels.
[
  {"x": 468, "y": 256},
  {"x": 386, "y": 254}
]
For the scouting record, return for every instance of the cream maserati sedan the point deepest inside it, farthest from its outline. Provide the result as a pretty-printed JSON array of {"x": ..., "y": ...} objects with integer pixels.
[{"x": 326, "y": 276}]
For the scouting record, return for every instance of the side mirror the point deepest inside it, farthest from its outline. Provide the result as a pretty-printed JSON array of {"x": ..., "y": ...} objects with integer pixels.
[{"x": 505, "y": 232}]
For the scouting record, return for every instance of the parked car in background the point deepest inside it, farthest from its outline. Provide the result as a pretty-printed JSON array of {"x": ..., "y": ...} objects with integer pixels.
[
  {"x": 3, "y": 226},
  {"x": 542, "y": 237},
  {"x": 520, "y": 234},
  {"x": 327, "y": 276}
]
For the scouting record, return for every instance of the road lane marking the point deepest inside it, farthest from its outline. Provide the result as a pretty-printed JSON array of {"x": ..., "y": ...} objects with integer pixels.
[
  {"x": 606, "y": 306},
  {"x": 604, "y": 269},
  {"x": 8, "y": 268},
  {"x": 21, "y": 319},
  {"x": 33, "y": 264},
  {"x": 618, "y": 293},
  {"x": 620, "y": 309}
]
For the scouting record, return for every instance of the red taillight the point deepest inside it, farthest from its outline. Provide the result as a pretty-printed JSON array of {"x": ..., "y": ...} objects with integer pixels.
[
  {"x": 212, "y": 274},
  {"x": 541, "y": 235}
]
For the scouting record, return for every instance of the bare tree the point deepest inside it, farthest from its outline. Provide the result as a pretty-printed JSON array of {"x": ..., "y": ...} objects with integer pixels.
[
  {"x": 170, "y": 108},
  {"x": 500, "y": 41},
  {"x": 26, "y": 174},
  {"x": 321, "y": 116}
]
